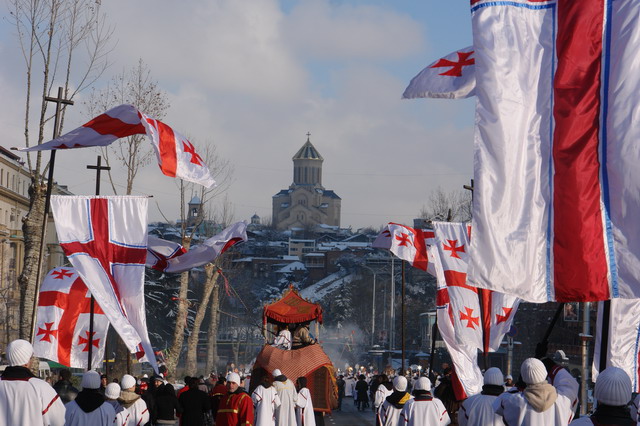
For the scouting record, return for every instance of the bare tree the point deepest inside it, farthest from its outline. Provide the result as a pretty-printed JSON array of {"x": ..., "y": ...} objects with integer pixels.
[
  {"x": 447, "y": 206},
  {"x": 53, "y": 36},
  {"x": 135, "y": 87}
]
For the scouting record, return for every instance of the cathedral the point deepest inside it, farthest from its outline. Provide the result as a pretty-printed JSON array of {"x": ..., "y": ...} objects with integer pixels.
[{"x": 306, "y": 203}]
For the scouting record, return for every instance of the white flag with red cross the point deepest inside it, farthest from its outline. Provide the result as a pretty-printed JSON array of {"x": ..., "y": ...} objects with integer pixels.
[
  {"x": 171, "y": 257},
  {"x": 481, "y": 317},
  {"x": 176, "y": 155},
  {"x": 105, "y": 239},
  {"x": 405, "y": 242},
  {"x": 62, "y": 321},
  {"x": 451, "y": 77}
]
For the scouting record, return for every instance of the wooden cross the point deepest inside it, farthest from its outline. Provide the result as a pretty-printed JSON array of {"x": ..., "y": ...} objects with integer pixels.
[
  {"x": 98, "y": 168},
  {"x": 58, "y": 101}
]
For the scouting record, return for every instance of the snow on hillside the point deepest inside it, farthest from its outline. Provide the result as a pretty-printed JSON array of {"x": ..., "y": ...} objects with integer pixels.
[{"x": 328, "y": 285}]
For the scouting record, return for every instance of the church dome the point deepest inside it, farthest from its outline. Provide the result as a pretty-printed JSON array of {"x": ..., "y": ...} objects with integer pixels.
[{"x": 308, "y": 152}]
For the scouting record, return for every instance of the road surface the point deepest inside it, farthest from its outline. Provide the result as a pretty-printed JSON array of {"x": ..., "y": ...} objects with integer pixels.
[{"x": 350, "y": 416}]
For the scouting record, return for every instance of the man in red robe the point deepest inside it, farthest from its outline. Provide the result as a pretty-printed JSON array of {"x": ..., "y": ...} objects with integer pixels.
[{"x": 236, "y": 408}]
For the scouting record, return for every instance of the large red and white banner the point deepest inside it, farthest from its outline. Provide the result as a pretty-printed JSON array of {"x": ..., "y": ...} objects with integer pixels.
[
  {"x": 622, "y": 341},
  {"x": 177, "y": 156},
  {"x": 105, "y": 239},
  {"x": 450, "y": 77},
  {"x": 171, "y": 257},
  {"x": 557, "y": 182},
  {"x": 404, "y": 242},
  {"x": 481, "y": 317},
  {"x": 62, "y": 321}
]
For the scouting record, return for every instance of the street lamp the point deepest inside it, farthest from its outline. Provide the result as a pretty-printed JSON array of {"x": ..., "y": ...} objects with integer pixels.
[{"x": 373, "y": 304}]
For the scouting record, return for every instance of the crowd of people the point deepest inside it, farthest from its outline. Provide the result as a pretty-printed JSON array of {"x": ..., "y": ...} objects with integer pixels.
[
  {"x": 544, "y": 394},
  {"x": 224, "y": 401}
]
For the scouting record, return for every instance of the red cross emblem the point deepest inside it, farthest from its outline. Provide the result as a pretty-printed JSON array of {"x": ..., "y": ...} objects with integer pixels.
[
  {"x": 404, "y": 239},
  {"x": 61, "y": 274},
  {"x": 505, "y": 317},
  {"x": 464, "y": 60},
  {"x": 386, "y": 233},
  {"x": 471, "y": 321},
  {"x": 454, "y": 248},
  {"x": 101, "y": 247},
  {"x": 83, "y": 341},
  {"x": 162, "y": 261},
  {"x": 189, "y": 148},
  {"x": 72, "y": 304},
  {"x": 47, "y": 332}
]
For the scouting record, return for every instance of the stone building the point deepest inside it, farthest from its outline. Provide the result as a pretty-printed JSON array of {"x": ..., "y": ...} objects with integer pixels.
[{"x": 306, "y": 203}]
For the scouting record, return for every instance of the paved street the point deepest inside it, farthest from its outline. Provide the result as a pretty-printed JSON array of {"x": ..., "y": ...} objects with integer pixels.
[{"x": 350, "y": 416}]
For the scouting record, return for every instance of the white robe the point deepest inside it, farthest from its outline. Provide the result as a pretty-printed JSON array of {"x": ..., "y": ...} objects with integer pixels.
[
  {"x": 349, "y": 386},
  {"x": 515, "y": 409},
  {"x": 304, "y": 409},
  {"x": 388, "y": 414},
  {"x": 424, "y": 413},
  {"x": 23, "y": 402},
  {"x": 265, "y": 403},
  {"x": 285, "y": 414},
  {"x": 477, "y": 410},
  {"x": 381, "y": 394},
  {"x": 138, "y": 413},
  {"x": 283, "y": 340},
  {"x": 101, "y": 416}
]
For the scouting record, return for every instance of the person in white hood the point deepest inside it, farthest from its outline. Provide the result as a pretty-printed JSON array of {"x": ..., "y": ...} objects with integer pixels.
[
  {"x": 541, "y": 403},
  {"x": 477, "y": 410},
  {"x": 424, "y": 409},
  {"x": 132, "y": 402},
  {"x": 265, "y": 402},
  {"x": 389, "y": 412},
  {"x": 286, "y": 413},
  {"x": 89, "y": 407},
  {"x": 612, "y": 393}
]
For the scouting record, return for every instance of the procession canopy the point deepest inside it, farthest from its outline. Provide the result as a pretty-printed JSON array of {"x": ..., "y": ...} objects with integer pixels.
[{"x": 292, "y": 309}]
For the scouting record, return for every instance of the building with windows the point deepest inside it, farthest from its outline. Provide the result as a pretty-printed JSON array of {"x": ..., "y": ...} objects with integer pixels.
[{"x": 306, "y": 203}]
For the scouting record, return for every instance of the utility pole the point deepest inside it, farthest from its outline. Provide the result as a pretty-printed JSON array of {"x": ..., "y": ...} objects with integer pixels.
[{"x": 585, "y": 337}]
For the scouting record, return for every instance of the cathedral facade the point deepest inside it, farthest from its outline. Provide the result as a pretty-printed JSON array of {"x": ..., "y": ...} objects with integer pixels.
[{"x": 306, "y": 203}]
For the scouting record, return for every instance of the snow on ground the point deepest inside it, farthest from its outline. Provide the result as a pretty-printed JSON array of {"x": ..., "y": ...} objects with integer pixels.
[{"x": 327, "y": 285}]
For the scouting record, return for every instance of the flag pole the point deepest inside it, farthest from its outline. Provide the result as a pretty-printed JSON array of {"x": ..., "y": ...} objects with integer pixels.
[
  {"x": 604, "y": 335},
  {"x": 98, "y": 168},
  {"x": 403, "y": 318},
  {"x": 434, "y": 336},
  {"x": 43, "y": 232}
]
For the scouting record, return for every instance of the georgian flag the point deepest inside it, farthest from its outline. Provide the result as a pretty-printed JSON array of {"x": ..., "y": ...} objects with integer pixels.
[
  {"x": 481, "y": 317},
  {"x": 105, "y": 239},
  {"x": 62, "y": 321},
  {"x": 171, "y": 257},
  {"x": 623, "y": 342},
  {"x": 406, "y": 243},
  {"x": 451, "y": 77},
  {"x": 177, "y": 156},
  {"x": 557, "y": 199}
]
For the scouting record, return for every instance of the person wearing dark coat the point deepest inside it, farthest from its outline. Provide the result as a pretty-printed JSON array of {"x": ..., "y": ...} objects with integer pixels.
[
  {"x": 361, "y": 391},
  {"x": 341, "y": 385},
  {"x": 168, "y": 405},
  {"x": 64, "y": 388},
  {"x": 195, "y": 405}
]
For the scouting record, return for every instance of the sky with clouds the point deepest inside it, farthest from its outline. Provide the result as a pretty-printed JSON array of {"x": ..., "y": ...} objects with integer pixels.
[{"x": 252, "y": 77}]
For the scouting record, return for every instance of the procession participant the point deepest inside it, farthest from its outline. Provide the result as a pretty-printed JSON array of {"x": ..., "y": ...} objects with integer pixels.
[
  {"x": 385, "y": 388},
  {"x": 508, "y": 381},
  {"x": 195, "y": 404},
  {"x": 236, "y": 407},
  {"x": 445, "y": 392},
  {"x": 424, "y": 409},
  {"x": 349, "y": 385},
  {"x": 64, "y": 388},
  {"x": 168, "y": 406},
  {"x": 132, "y": 402},
  {"x": 477, "y": 410},
  {"x": 389, "y": 412},
  {"x": 89, "y": 407},
  {"x": 25, "y": 399},
  {"x": 216, "y": 394},
  {"x": 540, "y": 403},
  {"x": 104, "y": 381},
  {"x": 283, "y": 339},
  {"x": 265, "y": 402},
  {"x": 341, "y": 385},
  {"x": 285, "y": 414},
  {"x": 302, "y": 337},
  {"x": 111, "y": 395},
  {"x": 361, "y": 393},
  {"x": 613, "y": 393},
  {"x": 304, "y": 405}
]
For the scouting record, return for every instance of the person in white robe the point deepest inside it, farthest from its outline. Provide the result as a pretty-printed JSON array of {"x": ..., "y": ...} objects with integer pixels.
[
  {"x": 265, "y": 402},
  {"x": 132, "y": 402},
  {"x": 304, "y": 405},
  {"x": 25, "y": 399},
  {"x": 477, "y": 410},
  {"x": 349, "y": 386},
  {"x": 385, "y": 388},
  {"x": 89, "y": 407},
  {"x": 542, "y": 403},
  {"x": 283, "y": 339},
  {"x": 612, "y": 394},
  {"x": 111, "y": 395},
  {"x": 285, "y": 414},
  {"x": 389, "y": 412},
  {"x": 424, "y": 409}
]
